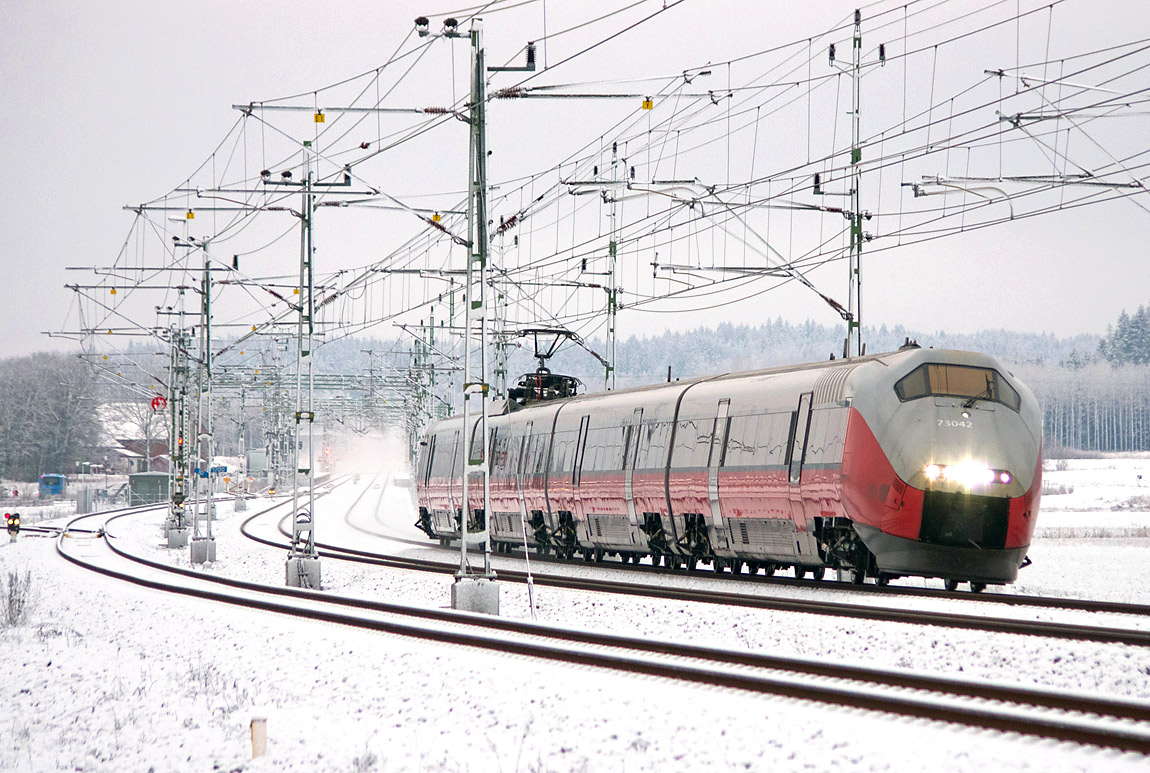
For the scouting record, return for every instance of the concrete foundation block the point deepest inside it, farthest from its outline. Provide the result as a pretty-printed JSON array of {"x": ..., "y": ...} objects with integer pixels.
[
  {"x": 303, "y": 572},
  {"x": 475, "y": 594},
  {"x": 203, "y": 550},
  {"x": 177, "y": 535},
  {"x": 241, "y": 504}
]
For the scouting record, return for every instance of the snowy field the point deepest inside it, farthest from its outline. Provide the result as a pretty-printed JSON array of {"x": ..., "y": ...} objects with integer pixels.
[{"x": 104, "y": 676}]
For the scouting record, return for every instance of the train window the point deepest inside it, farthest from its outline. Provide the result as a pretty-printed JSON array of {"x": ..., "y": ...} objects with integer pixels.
[
  {"x": 536, "y": 454},
  {"x": 653, "y": 452},
  {"x": 686, "y": 436},
  {"x": 609, "y": 447},
  {"x": 503, "y": 451},
  {"x": 741, "y": 441},
  {"x": 477, "y": 443},
  {"x": 692, "y": 443},
  {"x": 957, "y": 381},
  {"x": 563, "y": 454}
]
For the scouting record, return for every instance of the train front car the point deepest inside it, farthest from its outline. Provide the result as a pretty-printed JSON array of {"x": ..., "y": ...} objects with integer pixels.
[{"x": 942, "y": 468}]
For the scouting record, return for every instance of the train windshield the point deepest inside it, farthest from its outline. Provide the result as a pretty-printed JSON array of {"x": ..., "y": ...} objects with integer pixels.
[{"x": 957, "y": 381}]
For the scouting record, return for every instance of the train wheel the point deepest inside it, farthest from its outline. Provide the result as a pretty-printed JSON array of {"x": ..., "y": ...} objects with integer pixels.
[
  {"x": 977, "y": 587},
  {"x": 636, "y": 557},
  {"x": 819, "y": 573},
  {"x": 656, "y": 559},
  {"x": 736, "y": 566},
  {"x": 882, "y": 580},
  {"x": 800, "y": 572},
  {"x": 692, "y": 562},
  {"x": 950, "y": 585},
  {"x": 719, "y": 565}
]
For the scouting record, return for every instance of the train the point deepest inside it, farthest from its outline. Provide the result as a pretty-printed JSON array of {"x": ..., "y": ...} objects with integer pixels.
[{"x": 920, "y": 462}]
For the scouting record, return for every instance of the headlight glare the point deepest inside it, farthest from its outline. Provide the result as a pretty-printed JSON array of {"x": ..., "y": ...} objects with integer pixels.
[{"x": 969, "y": 474}]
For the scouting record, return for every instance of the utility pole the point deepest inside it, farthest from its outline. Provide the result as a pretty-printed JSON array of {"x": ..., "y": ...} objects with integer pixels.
[
  {"x": 241, "y": 476},
  {"x": 854, "y": 344},
  {"x": 176, "y": 528},
  {"x": 204, "y": 544},
  {"x": 470, "y": 591},
  {"x": 303, "y": 568},
  {"x": 612, "y": 279}
]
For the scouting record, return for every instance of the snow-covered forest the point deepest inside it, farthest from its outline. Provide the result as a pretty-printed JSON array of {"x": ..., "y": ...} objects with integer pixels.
[{"x": 1095, "y": 390}]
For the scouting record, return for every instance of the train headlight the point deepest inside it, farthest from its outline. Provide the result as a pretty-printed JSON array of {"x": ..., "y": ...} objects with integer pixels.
[{"x": 967, "y": 474}]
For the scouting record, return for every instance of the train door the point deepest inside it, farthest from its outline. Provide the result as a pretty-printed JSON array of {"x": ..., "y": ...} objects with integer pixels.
[
  {"x": 577, "y": 509},
  {"x": 454, "y": 487},
  {"x": 630, "y": 454},
  {"x": 429, "y": 460},
  {"x": 714, "y": 461},
  {"x": 522, "y": 496},
  {"x": 795, "y": 456}
]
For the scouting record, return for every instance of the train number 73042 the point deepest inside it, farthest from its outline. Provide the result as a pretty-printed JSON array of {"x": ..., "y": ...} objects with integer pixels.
[{"x": 952, "y": 423}]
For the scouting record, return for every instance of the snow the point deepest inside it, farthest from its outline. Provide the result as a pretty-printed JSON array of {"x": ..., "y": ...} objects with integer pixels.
[{"x": 109, "y": 677}]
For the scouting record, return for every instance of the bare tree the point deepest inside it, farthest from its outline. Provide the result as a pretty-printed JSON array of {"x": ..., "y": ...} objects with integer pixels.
[
  {"x": 47, "y": 414},
  {"x": 136, "y": 413}
]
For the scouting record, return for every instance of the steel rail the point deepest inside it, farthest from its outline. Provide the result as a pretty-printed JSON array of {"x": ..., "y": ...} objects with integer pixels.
[
  {"x": 1055, "y": 630},
  {"x": 1007, "y": 599},
  {"x": 912, "y": 696}
]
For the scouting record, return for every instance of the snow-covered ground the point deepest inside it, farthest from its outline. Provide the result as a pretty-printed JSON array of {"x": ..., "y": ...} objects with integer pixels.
[{"x": 110, "y": 677}]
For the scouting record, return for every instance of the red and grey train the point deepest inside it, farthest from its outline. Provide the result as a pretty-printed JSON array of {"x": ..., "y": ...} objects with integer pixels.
[{"x": 920, "y": 462}]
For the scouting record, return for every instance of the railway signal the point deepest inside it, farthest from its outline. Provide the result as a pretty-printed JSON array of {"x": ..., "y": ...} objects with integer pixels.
[{"x": 13, "y": 521}]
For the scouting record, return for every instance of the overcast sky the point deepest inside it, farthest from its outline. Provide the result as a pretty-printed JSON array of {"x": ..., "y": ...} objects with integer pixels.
[{"x": 113, "y": 103}]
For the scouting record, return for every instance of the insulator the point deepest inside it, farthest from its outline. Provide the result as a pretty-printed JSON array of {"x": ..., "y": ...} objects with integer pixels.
[
  {"x": 882, "y": 52},
  {"x": 632, "y": 173},
  {"x": 595, "y": 170},
  {"x": 832, "y": 53},
  {"x": 818, "y": 190},
  {"x": 614, "y": 147},
  {"x": 858, "y": 16},
  {"x": 531, "y": 55}
]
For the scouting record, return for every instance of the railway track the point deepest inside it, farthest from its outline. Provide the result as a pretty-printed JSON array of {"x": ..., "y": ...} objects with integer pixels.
[
  {"x": 953, "y": 620},
  {"x": 1059, "y": 715},
  {"x": 1005, "y": 599}
]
